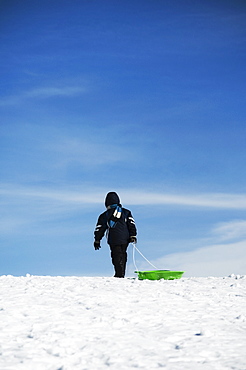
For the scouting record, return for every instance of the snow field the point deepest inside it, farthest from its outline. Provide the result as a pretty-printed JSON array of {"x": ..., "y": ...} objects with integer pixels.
[{"x": 87, "y": 323}]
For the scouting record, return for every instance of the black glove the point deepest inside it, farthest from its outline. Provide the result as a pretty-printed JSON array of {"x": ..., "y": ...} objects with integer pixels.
[
  {"x": 97, "y": 245},
  {"x": 133, "y": 239}
]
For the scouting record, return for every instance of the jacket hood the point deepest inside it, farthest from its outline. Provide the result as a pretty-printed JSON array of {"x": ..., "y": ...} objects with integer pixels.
[{"x": 112, "y": 198}]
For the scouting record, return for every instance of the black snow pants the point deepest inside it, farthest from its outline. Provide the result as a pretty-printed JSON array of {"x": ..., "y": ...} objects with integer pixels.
[{"x": 119, "y": 259}]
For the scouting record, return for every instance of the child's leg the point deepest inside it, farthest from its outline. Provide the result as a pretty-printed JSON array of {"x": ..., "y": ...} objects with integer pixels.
[{"x": 119, "y": 259}]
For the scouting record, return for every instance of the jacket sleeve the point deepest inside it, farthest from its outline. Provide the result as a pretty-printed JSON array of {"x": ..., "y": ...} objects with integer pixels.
[
  {"x": 101, "y": 227},
  {"x": 131, "y": 225}
]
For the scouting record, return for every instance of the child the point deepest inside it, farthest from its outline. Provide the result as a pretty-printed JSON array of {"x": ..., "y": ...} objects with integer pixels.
[{"x": 121, "y": 230}]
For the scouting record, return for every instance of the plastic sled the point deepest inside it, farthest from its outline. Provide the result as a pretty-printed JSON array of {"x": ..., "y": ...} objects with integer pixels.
[{"x": 159, "y": 274}]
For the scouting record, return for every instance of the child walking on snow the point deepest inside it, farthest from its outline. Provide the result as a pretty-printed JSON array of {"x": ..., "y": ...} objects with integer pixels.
[{"x": 121, "y": 230}]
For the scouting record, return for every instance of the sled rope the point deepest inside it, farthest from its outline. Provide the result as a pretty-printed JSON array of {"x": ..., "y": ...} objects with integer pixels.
[{"x": 133, "y": 257}]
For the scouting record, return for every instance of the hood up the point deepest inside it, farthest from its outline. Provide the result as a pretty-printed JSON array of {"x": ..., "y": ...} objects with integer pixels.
[{"x": 112, "y": 198}]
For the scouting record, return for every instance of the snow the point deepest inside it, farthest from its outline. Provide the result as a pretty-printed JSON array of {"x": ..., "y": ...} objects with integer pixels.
[{"x": 69, "y": 323}]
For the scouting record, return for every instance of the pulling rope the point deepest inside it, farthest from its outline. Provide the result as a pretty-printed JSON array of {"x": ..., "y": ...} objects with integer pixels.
[{"x": 133, "y": 257}]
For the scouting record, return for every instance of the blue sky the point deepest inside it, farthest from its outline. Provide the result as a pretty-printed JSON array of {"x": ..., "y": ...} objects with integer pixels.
[{"x": 145, "y": 98}]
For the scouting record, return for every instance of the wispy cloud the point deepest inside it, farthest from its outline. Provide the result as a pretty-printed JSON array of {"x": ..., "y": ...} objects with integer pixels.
[
  {"x": 230, "y": 230},
  {"x": 47, "y": 92},
  {"x": 214, "y": 260},
  {"x": 210, "y": 200},
  {"x": 43, "y": 93},
  {"x": 222, "y": 254},
  {"x": 94, "y": 195},
  {"x": 85, "y": 152},
  {"x": 52, "y": 195}
]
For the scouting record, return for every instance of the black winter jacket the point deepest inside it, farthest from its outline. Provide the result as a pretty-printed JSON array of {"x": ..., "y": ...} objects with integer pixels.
[{"x": 119, "y": 234}]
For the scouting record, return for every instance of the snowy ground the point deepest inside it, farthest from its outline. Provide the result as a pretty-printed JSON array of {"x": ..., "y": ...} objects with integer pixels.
[{"x": 69, "y": 323}]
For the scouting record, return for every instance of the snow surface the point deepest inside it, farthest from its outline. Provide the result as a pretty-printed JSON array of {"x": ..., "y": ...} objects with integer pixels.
[{"x": 69, "y": 323}]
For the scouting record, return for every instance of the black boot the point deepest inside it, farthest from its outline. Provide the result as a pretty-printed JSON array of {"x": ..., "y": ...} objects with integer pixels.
[{"x": 119, "y": 268}]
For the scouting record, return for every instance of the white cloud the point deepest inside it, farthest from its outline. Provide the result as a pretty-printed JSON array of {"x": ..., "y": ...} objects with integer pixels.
[
  {"x": 212, "y": 200},
  {"x": 43, "y": 93},
  {"x": 217, "y": 258},
  {"x": 214, "y": 260},
  {"x": 94, "y": 195},
  {"x": 230, "y": 230},
  {"x": 8, "y": 225},
  {"x": 47, "y": 92},
  {"x": 84, "y": 152}
]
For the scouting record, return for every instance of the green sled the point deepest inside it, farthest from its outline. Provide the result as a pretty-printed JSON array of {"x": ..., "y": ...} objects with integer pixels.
[{"x": 159, "y": 274}]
